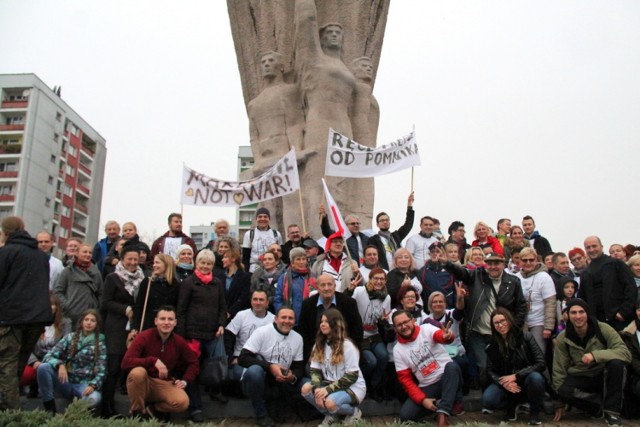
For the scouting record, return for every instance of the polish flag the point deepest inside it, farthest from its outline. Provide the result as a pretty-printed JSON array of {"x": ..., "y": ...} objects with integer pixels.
[{"x": 336, "y": 221}]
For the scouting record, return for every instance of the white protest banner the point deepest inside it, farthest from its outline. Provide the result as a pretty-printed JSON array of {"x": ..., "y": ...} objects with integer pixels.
[
  {"x": 347, "y": 158},
  {"x": 280, "y": 180}
]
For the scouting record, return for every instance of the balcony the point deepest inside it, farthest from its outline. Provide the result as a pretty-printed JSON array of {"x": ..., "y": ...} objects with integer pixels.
[
  {"x": 11, "y": 149},
  {"x": 7, "y": 198},
  {"x": 87, "y": 151},
  {"x": 82, "y": 188},
  {"x": 82, "y": 208},
  {"x": 12, "y": 127},
  {"x": 15, "y": 104},
  {"x": 81, "y": 228},
  {"x": 9, "y": 174},
  {"x": 84, "y": 169}
]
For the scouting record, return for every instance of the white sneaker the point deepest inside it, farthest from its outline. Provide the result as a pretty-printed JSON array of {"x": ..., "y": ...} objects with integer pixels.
[
  {"x": 486, "y": 411},
  {"x": 328, "y": 420},
  {"x": 352, "y": 419}
]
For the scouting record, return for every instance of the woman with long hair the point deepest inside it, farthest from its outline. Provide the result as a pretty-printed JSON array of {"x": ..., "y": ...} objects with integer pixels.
[
  {"x": 50, "y": 337},
  {"x": 516, "y": 367},
  {"x": 474, "y": 258},
  {"x": 236, "y": 282},
  {"x": 337, "y": 386},
  {"x": 202, "y": 316},
  {"x": 160, "y": 289},
  {"x": 118, "y": 300},
  {"x": 266, "y": 276},
  {"x": 404, "y": 274},
  {"x": 515, "y": 240},
  {"x": 77, "y": 365}
]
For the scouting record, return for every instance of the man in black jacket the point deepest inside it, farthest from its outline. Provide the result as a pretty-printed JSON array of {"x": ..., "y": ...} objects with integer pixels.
[
  {"x": 24, "y": 298},
  {"x": 313, "y": 307},
  {"x": 608, "y": 287},
  {"x": 389, "y": 242},
  {"x": 539, "y": 243}
]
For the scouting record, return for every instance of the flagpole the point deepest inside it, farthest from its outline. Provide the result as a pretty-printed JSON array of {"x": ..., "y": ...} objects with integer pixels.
[
  {"x": 304, "y": 224},
  {"x": 412, "y": 179}
]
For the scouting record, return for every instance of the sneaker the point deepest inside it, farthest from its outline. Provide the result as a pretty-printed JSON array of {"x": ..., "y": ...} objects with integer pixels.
[
  {"x": 612, "y": 420},
  {"x": 328, "y": 420},
  {"x": 197, "y": 417},
  {"x": 486, "y": 411},
  {"x": 458, "y": 409},
  {"x": 352, "y": 419},
  {"x": 512, "y": 414},
  {"x": 264, "y": 421},
  {"x": 534, "y": 420}
]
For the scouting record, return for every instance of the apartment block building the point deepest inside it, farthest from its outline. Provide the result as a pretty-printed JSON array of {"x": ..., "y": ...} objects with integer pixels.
[{"x": 51, "y": 161}]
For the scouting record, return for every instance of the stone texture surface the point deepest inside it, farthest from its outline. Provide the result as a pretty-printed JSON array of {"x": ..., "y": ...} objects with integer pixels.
[{"x": 329, "y": 94}]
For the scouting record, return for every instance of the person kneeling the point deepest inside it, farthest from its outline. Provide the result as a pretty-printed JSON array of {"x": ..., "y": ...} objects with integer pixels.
[
  {"x": 419, "y": 353},
  {"x": 516, "y": 366},
  {"x": 154, "y": 355},
  {"x": 275, "y": 350},
  {"x": 76, "y": 367},
  {"x": 337, "y": 385}
]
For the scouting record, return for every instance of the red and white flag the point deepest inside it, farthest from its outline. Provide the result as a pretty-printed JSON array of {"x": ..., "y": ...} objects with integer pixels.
[{"x": 336, "y": 221}]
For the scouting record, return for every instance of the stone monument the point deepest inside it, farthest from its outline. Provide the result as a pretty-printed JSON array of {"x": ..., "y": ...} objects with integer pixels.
[{"x": 292, "y": 57}]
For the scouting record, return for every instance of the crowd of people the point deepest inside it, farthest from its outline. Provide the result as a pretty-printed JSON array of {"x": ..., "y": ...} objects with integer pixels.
[{"x": 320, "y": 329}]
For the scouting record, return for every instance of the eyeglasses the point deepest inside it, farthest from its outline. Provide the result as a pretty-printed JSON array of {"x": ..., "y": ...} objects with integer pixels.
[
  {"x": 353, "y": 223},
  {"x": 578, "y": 258},
  {"x": 383, "y": 220},
  {"x": 528, "y": 260},
  {"x": 378, "y": 279},
  {"x": 500, "y": 322},
  {"x": 403, "y": 324},
  {"x": 409, "y": 297}
]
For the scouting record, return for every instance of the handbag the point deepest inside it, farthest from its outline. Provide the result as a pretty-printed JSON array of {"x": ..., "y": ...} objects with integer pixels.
[{"x": 215, "y": 369}]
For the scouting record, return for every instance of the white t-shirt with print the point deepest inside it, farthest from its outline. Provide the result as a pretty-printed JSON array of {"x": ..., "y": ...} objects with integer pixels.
[
  {"x": 424, "y": 357},
  {"x": 262, "y": 239},
  {"x": 243, "y": 325},
  {"x": 371, "y": 310},
  {"x": 536, "y": 289},
  {"x": 274, "y": 346},
  {"x": 350, "y": 363}
]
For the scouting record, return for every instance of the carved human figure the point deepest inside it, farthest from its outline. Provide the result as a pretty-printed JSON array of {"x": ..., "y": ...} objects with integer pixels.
[
  {"x": 276, "y": 125},
  {"x": 328, "y": 90},
  {"x": 366, "y": 111}
]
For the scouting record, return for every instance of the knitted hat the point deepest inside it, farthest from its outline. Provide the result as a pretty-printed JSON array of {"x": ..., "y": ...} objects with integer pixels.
[
  {"x": 182, "y": 248},
  {"x": 577, "y": 301},
  {"x": 265, "y": 211}
]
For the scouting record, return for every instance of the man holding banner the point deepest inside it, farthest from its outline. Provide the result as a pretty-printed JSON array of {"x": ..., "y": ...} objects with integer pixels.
[{"x": 389, "y": 242}]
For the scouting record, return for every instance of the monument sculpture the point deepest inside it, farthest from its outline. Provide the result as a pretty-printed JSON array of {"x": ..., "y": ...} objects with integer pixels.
[{"x": 295, "y": 95}]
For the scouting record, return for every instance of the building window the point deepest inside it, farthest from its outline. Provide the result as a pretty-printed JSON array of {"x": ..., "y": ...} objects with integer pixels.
[
  {"x": 47, "y": 202},
  {"x": 15, "y": 120},
  {"x": 66, "y": 211},
  {"x": 69, "y": 170},
  {"x": 68, "y": 191},
  {"x": 50, "y": 179},
  {"x": 63, "y": 232},
  {"x": 58, "y": 116},
  {"x": 56, "y": 137},
  {"x": 8, "y": 167},
  {"x": 53, "y": 158},
  {"x": 73, "y": 151},
  {"x": 6, "y": 189},
  {"x": 10, "y": 141},
  {"x": 17, "y": 98}
]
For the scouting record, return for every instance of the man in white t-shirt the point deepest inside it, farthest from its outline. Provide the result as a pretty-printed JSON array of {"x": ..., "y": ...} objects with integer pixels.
[
  {"x": 273, "y": 358},
  {"x": 242, "y": 326},
  {"x": 418, "y": 244},
  {"x": 419, "y": 353},
  {"x": 257, "y": 240}
]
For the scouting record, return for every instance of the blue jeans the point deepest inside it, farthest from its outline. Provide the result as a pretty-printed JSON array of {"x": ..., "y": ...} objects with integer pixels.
[
  {"x": 341, "y": 398},
  {"x": 193, "y": 388},
  {"x": 496, "y": 397},
  {"x": 49, "y": 383},
  {"x": 374, "y": 362},
  {"x": 446, "y": 389},
  {"x": 253, "y": 386}
]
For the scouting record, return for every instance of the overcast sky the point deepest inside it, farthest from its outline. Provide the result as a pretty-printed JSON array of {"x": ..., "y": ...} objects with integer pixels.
[{"x": 520, "y": 107}]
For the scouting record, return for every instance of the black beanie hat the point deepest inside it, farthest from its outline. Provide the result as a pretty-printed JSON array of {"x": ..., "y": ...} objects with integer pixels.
[{"x": 577, "y": 301}]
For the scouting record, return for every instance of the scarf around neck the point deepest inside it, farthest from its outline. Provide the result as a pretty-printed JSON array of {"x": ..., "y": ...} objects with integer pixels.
[
  {"x": 131, "y": 280},
  {"x": 204, "y": 278}
]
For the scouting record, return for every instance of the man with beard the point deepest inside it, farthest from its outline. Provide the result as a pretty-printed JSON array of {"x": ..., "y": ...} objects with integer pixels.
[
  {"x": 419, "y": 354},
  {"x": 389, "y": 242},
  {"x": 589, "y": 365},
  {"x": 607, "y": 286},
  {"x": 168, "y": 243}
]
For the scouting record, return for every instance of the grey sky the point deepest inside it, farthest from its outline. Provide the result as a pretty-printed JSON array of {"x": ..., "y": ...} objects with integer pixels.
[{"x": 519, "y": 107}]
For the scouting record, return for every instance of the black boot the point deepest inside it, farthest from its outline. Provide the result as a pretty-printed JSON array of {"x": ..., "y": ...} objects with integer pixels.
[{"x": 50, "y": 406}]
